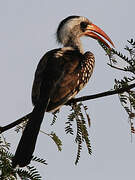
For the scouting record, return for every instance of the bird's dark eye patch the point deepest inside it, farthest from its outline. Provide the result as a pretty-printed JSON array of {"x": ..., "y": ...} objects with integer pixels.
[{"x": 83, "y": 25}]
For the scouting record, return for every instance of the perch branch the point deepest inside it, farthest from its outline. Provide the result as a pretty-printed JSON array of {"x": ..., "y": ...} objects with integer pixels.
[
  {"x": 83, "y": 98},
  {"x": 15, "y": 123},
  {"x": 103, "y": 94}
]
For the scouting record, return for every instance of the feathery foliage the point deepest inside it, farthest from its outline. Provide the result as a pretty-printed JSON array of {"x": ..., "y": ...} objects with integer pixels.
[
  {"x": 55, "y": 117},
  {"x": 55, "y": 138},
  {"x": 6, "y": 170},
  {"x": 82, "y": 135},
  {"x": 127, "y": 98}
]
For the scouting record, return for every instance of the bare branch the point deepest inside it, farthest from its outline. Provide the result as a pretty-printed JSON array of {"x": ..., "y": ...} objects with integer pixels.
[
  {"x": 83, "y": 98},
  {"x": 15, "y": 123},
  {"x": 103, "y": 94}
]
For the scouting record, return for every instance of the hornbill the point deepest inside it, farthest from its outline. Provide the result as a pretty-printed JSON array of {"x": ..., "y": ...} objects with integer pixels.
[{"x": 60, "y": 75}]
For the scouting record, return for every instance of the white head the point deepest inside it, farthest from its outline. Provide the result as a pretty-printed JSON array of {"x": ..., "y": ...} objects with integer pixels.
[{"x": 73, "y": 27}]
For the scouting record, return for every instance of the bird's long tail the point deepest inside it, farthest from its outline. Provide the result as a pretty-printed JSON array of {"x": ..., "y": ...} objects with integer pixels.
[{"x": 27, "y": 143}]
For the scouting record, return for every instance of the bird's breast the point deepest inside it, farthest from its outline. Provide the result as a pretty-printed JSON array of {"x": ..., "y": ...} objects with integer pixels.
[{"x": 87, "y": 66}]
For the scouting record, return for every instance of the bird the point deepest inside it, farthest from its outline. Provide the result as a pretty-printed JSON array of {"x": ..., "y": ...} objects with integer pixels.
[{"x": 60, "y": 75}]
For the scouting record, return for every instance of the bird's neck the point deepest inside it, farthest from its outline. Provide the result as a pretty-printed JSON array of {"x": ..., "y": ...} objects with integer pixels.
[{"x": 74, "y": 43}]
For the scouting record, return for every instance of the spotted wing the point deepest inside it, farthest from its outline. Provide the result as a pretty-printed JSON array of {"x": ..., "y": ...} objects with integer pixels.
[{"x": 77, "y": 67}]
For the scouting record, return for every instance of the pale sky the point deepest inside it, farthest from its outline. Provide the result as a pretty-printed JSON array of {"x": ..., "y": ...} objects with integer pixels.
[{"x": 27, "y": 32}]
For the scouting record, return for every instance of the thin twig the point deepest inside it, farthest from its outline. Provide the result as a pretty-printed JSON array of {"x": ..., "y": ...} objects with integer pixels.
[
  {"x": 45, "y": 133},
  {"x": 121, "y": 69}
]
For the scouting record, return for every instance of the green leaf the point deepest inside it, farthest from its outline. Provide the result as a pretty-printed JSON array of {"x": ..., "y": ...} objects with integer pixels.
[{"x": 57, "y": 141}]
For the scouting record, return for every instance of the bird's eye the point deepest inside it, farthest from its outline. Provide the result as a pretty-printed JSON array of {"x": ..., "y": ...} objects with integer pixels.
[{"x": 83, "y": 25}]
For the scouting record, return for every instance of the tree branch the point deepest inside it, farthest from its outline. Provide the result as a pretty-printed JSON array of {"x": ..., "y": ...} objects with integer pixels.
[
  {"x": 103, "y": 94},
  {"x": 83, "y": 98},
  {"x": 15, "y": 123}
]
